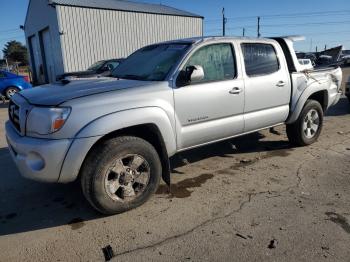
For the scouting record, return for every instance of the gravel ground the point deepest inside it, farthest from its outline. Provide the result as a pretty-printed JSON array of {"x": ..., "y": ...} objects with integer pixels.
[{"x": 253, "y": 198}]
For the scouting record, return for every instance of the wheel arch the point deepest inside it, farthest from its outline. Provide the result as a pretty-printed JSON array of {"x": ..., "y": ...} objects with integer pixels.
[
  {"x": 9, "y": 86},
  {"x": 150, "y": 124},
  {"x": 320, "y": 96},
  {"x": 150, "y": 133}
]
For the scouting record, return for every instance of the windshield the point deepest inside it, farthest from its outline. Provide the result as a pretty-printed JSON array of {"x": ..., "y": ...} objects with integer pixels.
[
  {"x": 151, "y": 63},
  {"x": 96, "y": 65}
]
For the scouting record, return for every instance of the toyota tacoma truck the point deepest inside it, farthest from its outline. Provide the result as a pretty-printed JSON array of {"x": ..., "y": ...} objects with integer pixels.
[{"x": 117, "y": 134}]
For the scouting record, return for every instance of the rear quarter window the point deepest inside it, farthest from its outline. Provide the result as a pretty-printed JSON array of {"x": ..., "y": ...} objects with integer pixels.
[{"x": 260, "y": 59}]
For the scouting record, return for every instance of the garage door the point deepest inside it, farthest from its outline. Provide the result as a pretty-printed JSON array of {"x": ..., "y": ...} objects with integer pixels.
[{"x": 47, "y": 56}]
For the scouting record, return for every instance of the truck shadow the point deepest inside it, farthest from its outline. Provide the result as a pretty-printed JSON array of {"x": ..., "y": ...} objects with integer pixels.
[
  {"x": 340, "y": 109},
  {"x": 251, "y": 143},
  {"x": 28, "y": 205}
]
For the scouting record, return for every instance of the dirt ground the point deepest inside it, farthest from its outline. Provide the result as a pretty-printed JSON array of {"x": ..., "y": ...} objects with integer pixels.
[{"x": 254, "y": 198}]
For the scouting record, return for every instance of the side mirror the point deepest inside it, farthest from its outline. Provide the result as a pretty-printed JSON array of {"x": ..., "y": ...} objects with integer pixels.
[
  {"x": 197, "y": 73},
  {"x": 189, "y": 75}
]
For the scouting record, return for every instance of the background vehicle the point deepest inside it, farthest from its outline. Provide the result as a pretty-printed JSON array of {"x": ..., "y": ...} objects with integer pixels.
[
  {"x": 306, "y": 63},
  {"x": 100, "y": 68},
  {"x": 117, "y": 135},
  {"x": 346, "y": 59},
  {"x": 11, "y": 83},
  {"x": 347, "y": 89}
]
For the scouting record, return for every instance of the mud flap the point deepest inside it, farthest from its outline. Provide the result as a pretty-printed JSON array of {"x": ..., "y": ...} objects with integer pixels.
[{"x": 166, "y": 172}]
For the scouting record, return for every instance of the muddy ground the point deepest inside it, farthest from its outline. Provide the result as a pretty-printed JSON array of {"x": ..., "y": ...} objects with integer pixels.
[{"x": 254, "y": 198}]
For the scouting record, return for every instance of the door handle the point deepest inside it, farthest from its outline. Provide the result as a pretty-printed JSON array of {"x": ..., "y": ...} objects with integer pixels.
[
  {"x": 235, "y": 91},
  {"x": 281, "y": 83}
]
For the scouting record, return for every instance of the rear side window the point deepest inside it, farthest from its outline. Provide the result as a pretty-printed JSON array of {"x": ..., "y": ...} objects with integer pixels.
[{"x": 259, "y": 59}]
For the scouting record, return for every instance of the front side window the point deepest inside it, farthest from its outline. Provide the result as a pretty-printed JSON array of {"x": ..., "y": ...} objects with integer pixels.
[
  {"x": 217, "y": 61},
  {"x": 151, "y": 63},
  {"x": 259, "y": 59}
]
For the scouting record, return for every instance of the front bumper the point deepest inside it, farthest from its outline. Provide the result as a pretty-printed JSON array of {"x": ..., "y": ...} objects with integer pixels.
[{"x": 37, "y": 159}]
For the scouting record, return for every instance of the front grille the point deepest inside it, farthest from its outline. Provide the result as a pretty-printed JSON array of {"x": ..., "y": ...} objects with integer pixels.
[{"x": 14, "y": 115}]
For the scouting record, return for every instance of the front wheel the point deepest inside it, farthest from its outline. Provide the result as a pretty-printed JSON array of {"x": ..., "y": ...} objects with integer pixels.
[
  {"x": 10, "y": 91},
  {"x": 308, "y": 126},
  {"x": 120, "y": 174}
]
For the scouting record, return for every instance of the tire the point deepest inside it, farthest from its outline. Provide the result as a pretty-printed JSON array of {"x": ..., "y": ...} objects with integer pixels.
[
  {"x": 112, "y": 166},
  {"x": 10, "y": 91},
  {"x": 303, "y": 132}
]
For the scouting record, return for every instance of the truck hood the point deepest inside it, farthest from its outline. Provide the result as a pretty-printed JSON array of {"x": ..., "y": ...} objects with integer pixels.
[{"x": 55, "y": 94}]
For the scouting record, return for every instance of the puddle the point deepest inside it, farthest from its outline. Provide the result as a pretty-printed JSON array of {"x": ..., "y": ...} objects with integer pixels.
[
  {"x": 76, "y": 223},
  {"x": 339, "y": 220},
  {"x": 278, "y": 152},
  {"x": 182, "y": 188},
  {"x": 269, "y": 154}
]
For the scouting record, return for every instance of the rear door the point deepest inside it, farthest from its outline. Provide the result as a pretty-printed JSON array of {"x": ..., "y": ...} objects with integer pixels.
[
  {"x": 267, "y": 85},
  {"x": 209, "y": 110}
]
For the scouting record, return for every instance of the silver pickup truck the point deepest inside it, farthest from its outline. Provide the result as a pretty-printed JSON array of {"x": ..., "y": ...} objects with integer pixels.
[{"x": 116, "y": 134}]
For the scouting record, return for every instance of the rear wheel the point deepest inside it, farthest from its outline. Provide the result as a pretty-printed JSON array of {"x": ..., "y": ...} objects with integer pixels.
[
  {"x": 10, "y": 91},
  {"x": 121, "y": 174},
  {"x": 307, "y": 128}
]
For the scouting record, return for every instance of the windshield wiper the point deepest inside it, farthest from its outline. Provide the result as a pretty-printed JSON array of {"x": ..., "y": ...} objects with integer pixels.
[{"x": 131, "y": 77}]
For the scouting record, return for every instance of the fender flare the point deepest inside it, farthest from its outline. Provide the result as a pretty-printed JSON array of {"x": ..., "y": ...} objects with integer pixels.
[
  {"x": 133, "y": 117},
  {"x": 91, "y": 133},
  {"x": 308, "y": 92}
]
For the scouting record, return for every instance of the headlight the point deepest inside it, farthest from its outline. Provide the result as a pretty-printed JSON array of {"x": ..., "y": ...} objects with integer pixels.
[{"x": 46, "y": 120}]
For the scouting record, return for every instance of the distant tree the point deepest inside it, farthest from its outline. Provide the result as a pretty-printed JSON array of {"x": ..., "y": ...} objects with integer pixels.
[{"x": 15, "y": 51}]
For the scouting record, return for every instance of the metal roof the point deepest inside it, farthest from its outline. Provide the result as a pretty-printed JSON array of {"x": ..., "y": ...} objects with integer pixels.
[{"x": 126, "y": 6}]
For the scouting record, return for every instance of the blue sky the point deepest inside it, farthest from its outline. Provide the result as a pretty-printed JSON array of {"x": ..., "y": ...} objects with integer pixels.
[{"x": 323, "y": 22}]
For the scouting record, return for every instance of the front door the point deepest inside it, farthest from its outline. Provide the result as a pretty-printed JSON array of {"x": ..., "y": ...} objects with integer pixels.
[{"x": 212, "y": 108}]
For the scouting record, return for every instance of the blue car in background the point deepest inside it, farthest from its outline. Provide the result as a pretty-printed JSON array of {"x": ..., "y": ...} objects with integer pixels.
[{"x": 11, "y": 83}]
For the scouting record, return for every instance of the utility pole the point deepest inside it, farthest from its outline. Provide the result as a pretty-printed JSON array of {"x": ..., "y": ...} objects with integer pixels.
[
  {"x": 316, "y": 49},
  {"x": 259, "y": 26},
  {"x": 311, "y": 45},
  {"x": 243, "y": 33},
  {"x": 224, "y": 21},
  {"x": 325, "y": 47}
]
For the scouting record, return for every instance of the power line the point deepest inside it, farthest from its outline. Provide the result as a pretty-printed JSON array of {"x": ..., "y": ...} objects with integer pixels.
[
  {"x": 310, "y": 34},
  {"x": 310, "y": 24},
  {"x": 9, "y": 30},
  {"x": 293, "y": 25},
  {"x": 12, "y": 38},
  {"x": 289, "y": 15}
]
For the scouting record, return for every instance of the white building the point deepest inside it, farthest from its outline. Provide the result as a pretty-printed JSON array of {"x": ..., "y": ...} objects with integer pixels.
[{"x": 70, "y": 35}]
